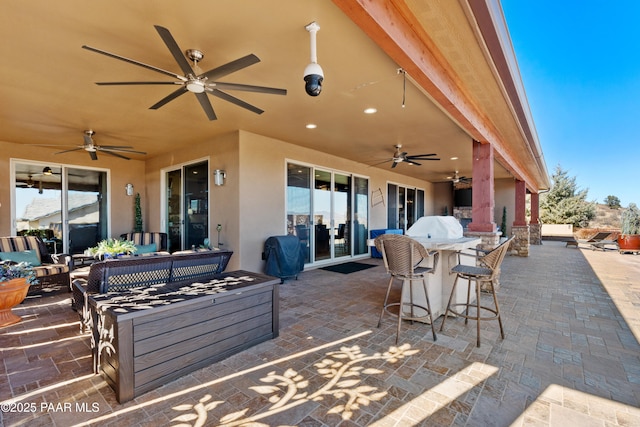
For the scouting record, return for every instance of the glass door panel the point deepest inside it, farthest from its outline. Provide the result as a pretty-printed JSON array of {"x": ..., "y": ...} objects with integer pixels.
[
  {"x": 411, "y": 206},
  {"x": 87, "y": 207},
  {"x": 402, "y": 206},
  {"x": 174, "y": 210},
  {"x": 341, "y": 216},
  {"x": 38, "y": 204},
  {"x": 392, "y": 206},
  {"x": 196, "y": 202},
  {"x": 419, "y": 204},
  {"x": 361, "y": 216},
  {"x": 322, "y": 214},
  {"x": 299, "y": 205}
]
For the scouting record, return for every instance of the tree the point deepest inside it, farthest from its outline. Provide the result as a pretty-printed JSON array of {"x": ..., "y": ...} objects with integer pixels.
[
  {"x": 565, "y": 203},
  {"x": 612, "y": 201}
]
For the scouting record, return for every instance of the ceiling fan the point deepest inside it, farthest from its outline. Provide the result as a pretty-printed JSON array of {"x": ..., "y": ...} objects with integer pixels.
[
  {"x": 457, "y": 179},
  {"x": 92, "y": 148},
  {"x": 198, "y": 84},
  {"x": 29, "y": 182},
  {"x": 402, "y": 156}
]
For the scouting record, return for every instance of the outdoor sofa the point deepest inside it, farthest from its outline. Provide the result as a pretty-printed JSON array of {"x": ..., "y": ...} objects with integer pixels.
[
  {"x": 49, "y": 268},
  {"x": 113, "y": 275}
]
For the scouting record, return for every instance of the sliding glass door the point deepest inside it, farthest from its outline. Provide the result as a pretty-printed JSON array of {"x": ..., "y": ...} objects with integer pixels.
[
  {"x": 405, "y": 206},
  {"x": 187, "y": 206},
  {"x": 321, "y": 207},
  {"x": 66, "y": 206}
]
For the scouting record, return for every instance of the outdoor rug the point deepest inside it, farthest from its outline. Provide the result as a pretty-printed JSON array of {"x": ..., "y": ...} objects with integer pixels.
[{"x": 347, "y": 267}]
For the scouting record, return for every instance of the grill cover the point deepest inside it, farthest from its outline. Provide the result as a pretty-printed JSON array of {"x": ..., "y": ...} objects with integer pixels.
[
  {"x": 284, "y": 256},
  {"x": 436, "y": 227}
]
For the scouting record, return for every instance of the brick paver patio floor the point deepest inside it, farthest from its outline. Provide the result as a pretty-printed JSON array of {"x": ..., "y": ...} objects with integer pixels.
[{"x": 570, "y": 358}]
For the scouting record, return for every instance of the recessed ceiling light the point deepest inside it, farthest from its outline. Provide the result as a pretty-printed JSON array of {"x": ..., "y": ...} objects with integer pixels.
[
  {"x": 454, "y": 158},
  {"x": 370, "y": 110},
  {"x": 311, "y": 126}
]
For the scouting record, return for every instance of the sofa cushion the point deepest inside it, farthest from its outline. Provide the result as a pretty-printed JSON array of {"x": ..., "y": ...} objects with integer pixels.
[
  {"x": 146, "y": 238},
  {"x": 30, "y": 256},
  {"x": 50, "y": 270}
]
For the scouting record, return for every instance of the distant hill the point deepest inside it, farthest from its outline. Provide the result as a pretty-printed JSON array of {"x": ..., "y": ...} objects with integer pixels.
[{"x": 606, "y": 217}]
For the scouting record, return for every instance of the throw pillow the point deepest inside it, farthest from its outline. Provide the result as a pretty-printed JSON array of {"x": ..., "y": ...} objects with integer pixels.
[
  {"x": 146, "y": 249},
  {"x": 29, "y": 256}
]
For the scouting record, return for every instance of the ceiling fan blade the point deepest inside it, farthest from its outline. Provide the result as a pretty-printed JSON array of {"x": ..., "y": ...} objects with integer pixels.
[
  {"x": 411, "y": 162},
  {"x": 236, "y": 101},
  {"x": 231, "y": 67},
  {"x": 137, "y": 83},
  {"x": 394, "y": 164},
  {"x": 111, "y": 153},
  {"x": 173, "y": 95},
  {"x": 134, "y": 62},
  {"x": 111, "y": 150},
  {"x": 175, "y": 50},
  {"x": 114, "y": 147},
  {"x": 93, "y": 155},
  {"x": 68, "y": 151},
  {"x": 203, "y": 99},
  {"x": 249, "y": 88},
  {"x": 379, "y": 163},
  {"x": 419, "y": 156}
]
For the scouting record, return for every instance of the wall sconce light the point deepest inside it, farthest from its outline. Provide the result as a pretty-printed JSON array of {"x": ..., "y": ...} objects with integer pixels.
[
  {"x": 219, "y": 177},
  {"x": 47, "y": 171},
  {"x": 129, "y": 189}
]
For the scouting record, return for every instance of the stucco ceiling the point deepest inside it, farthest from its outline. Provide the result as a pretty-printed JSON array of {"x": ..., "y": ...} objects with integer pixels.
[{"x": 49, "y": 96}]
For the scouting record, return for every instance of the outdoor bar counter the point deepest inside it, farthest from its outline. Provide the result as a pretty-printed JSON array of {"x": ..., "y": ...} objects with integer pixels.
[{"x": 445, "y": 235}]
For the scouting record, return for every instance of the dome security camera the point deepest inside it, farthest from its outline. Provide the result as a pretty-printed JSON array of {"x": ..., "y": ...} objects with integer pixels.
[
  {"x": 313, "y": 77},
  {"x": 313, "y": 74}
]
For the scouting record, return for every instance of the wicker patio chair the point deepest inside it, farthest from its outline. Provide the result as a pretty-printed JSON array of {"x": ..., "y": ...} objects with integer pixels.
[
  {"x": 486, "y": 270},
  {"x": 402, "y": 257}
]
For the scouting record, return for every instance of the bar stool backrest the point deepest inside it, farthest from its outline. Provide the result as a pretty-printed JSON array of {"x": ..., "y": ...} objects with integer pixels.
[
  {"x": 401, "y": 254},
  {"x": 493, "y": 259}
]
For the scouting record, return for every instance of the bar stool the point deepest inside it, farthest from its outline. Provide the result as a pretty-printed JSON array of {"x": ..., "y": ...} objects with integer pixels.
[
  {"x": 485, "y": 271},
  {"x": 402, "y": 256}
]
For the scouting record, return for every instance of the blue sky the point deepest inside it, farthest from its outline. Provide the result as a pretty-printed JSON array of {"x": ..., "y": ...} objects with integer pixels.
[{"x": 580, "y": 65}]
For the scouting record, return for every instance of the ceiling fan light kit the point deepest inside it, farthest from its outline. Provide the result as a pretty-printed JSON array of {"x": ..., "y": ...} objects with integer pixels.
[{"x": 198, "y": 84}]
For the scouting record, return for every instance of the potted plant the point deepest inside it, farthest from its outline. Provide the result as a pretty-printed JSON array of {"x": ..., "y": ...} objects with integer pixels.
[
  {"x": 15, "y": 280},
  {"x": 629, "y": 240},
  {"x": 137, "y": 227},
  {"x": 111, "y": 248}
]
